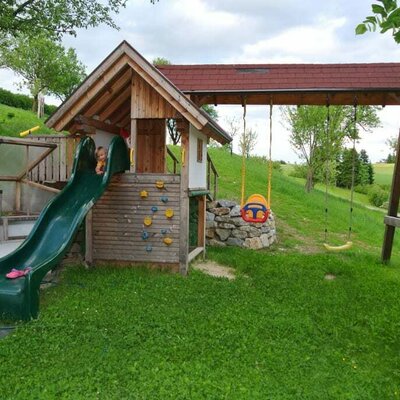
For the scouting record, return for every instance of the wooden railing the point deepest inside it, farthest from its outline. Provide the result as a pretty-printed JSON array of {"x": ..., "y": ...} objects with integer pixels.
[
  {"x": 57, "y": 166},
  {"x": 212, "y": 177},
  {"x": 174, "y": 159}
]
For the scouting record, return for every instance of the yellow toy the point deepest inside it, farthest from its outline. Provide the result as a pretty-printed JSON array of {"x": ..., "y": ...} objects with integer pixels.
[{"x": 28, "y": 131}]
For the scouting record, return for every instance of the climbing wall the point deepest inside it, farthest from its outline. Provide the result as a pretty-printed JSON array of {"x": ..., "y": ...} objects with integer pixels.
[{"x": 137, "y": 219}]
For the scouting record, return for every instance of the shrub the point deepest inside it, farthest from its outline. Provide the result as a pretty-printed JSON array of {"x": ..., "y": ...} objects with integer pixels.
[
  {"x": 377, "y": 196},
  {"x": 22, "y": 101},
  {"x": 363, "y": 189}
]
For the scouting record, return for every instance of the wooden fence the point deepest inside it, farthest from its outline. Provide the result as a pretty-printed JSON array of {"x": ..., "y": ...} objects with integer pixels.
[{"x": 57, "y": 166}]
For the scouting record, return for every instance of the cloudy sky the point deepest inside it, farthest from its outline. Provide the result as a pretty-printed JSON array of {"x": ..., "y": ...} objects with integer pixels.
[{"x": 247, "y": 31}]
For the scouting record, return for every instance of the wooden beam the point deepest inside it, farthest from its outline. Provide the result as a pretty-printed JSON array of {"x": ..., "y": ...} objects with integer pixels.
[
  {"x": 194, "y": 253},
  {"x": 85, "y": 96},
  {"x": 115, "y": 103},
  {"x": 393, "y": 208},
  {"x": 40, "y": 186},
  {"x": 133, "y": 147},
  {"x": 184, "y": 202},
  {"x": 108, "y": 93},
  {"x": 27, "y": 143},
  {"x": 201, "y": 224},
  {"x": 85, "y": 121},
  {"x": 392, "y": 221},
  {"x": 8, "y": 178},
  {"x": 89, "y": 238},
  {"x": 35, "y": 162},
  {"x": 121, "y": 113}
]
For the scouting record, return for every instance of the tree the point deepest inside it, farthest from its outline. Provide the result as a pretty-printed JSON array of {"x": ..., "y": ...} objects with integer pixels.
[
  {"x": 234, "y": 127},
  {"x": 161, "y": 61},
  {"x": 54, "y": 18},
  {"x": 248, "y": 141},
  {"x": 309, "y": 136},
  {"x": 366, "y": 169},
  {"x": 392, "y": 143},
  {"x": 386, "y": 16},
  {"x": 44, "y": 65}
]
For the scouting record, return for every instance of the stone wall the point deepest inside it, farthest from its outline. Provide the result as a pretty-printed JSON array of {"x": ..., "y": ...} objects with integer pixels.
[{"x": 225, "y": 227}]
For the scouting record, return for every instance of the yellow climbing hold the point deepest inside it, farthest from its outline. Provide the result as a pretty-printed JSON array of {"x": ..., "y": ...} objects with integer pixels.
[
  {"x": 143, "y": 194},
  {"x": 148, "y": 221},
  {"x": 169, "y": 212},
  {"x": 167, "y": 241},
  {"x": 160, "y": 184}
]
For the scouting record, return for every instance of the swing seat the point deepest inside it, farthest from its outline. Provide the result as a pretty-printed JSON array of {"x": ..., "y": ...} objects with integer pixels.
[
  {"x": 346, "y": 246},
  {"x": 255, "y": 209}
]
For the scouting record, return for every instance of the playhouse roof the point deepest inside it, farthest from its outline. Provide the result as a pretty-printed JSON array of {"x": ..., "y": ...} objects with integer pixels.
[
  {"x": 377, "y": 83},
  {"x": 104, "y": 98}
]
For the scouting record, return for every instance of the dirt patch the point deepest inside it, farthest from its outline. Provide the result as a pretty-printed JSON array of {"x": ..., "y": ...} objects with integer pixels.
[{"x": 214, "y": 269}]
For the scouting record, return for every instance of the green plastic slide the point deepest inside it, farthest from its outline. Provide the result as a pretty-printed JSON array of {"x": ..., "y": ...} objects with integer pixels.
[{"x": 55, "y": 229}]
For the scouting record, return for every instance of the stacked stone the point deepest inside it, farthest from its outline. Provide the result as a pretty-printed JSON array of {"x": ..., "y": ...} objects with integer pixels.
[{"x": 225, "y": 227}]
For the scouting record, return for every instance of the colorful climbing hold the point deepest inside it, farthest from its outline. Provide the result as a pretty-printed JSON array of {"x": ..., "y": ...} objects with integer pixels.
[
  {"x": 160, "y": 184},
  {"x": 169, "y": 212},
  {"x": 149, "y": 248},
  {"x": 144, "y": 194},
  {"x": 145, "y": 235},
  {"x": 147, "y": 221},
  {"x": 164, "y": 231},
  {"x": 164, "y": 199},
  {"x": 154, "y": 209},
  {"x": 167, "y": 241}
]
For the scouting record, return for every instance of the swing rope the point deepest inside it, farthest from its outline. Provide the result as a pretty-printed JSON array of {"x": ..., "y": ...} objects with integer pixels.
[
  {"x": 270, "y": 157},
  {"x": 349, "y": 243},
  {"x": 243, "y": 155},
  {"x": 353, "y": 170},
  {"x": 327, "y": 172}
]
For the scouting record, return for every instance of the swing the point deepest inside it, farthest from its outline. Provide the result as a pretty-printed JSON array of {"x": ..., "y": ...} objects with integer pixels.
[
  {"x": 256, "y": 208},
  {"x": 349, "y": 244}
]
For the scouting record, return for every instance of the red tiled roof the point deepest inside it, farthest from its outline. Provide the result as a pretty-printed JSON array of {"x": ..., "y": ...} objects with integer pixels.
[{"x": 264, "y": 77}]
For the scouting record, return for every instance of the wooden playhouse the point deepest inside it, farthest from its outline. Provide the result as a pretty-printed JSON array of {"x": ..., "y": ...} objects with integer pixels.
[{"x": 144, "y": 215}]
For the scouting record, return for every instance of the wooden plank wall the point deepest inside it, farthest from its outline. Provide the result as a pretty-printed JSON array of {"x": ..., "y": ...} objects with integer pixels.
[
  {"x": 151, "y": 146},
  {"x": 147, "y": 103},
  {"x": 118, "y": 220},
  {"x": 58, "y": 165}
]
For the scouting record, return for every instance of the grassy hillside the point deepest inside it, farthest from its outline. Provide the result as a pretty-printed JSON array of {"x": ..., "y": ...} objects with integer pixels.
[
  {"x": 301, "y": 215},
  {"x": 15, "y": 120},
  {"x": 383, "y": 173}
]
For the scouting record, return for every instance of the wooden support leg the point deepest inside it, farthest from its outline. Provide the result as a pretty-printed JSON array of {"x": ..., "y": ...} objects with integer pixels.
[
  {"x": 89, "y": 238},
  {"x": 393, "y": 208},
  {"x": 201, "y": 231},
  {"x": 184, "y": 200}
]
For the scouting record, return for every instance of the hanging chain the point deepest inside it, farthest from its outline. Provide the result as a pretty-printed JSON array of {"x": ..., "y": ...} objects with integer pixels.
[
  {"x": 270, "y": 157},
  {"x": 327, "y": 172},
  {"x": 243, "y": 154},
  {"x": 353, "y": 169}
]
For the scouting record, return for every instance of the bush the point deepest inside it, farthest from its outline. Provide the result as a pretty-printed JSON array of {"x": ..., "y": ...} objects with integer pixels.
[
  {"x": 22, "y": 101},
  {"x": 377, "y": 196},
  {"x": 363, "y": 189},
  {"x": 299, "y": 171}
]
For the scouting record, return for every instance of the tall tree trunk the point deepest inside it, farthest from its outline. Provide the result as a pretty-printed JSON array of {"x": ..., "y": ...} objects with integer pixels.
[
  {"x": 35, "y": 103},
  {"x": 310, "y": 180}
]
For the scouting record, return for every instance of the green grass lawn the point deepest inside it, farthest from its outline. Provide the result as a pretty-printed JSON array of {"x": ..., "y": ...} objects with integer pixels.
[
  {"x": 20, "y": 121},
  {"x": 383, "y": 173},
  {"x": 279, "y": 331}
]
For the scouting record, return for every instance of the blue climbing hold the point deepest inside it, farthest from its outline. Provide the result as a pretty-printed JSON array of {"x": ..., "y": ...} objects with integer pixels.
[
  {"x": 164, "y": 231},
  {"x": 164, "y": 199},
  {"x": 154, "y": 209},
  {"x": 145, "y": 235},
  {"x": 149, "y": 248}
]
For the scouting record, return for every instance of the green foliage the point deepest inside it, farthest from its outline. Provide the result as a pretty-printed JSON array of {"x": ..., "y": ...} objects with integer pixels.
[
  {"x": 161, "y": 61},
  {"x": 54, "y": 18},
  {"x": 22, "y": 101},
  {"x": 45, "y": 66},
  {"x": 310, "y": 137},
  {"x": 386, "y": 17},
  {"x": 377, "y": 196},
  {"x": 211, "y": 111}
]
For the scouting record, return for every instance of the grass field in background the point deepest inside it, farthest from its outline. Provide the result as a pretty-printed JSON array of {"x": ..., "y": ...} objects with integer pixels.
[
  {"x": 383, "y": 173},
  {"x": 21, "y": 121}
]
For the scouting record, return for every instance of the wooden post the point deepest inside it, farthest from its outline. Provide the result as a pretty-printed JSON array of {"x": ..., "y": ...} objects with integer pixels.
[
  {"x": 201, "y": 224},
  {"x": 17, "y": 196},
  {"x": 133, "y": 147},
  {"x": 28, "y": 191},
  {"x": 89, "y": 238},
  {"x": 393, "y": 208},
  {"x": 184, "y": 200}
]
